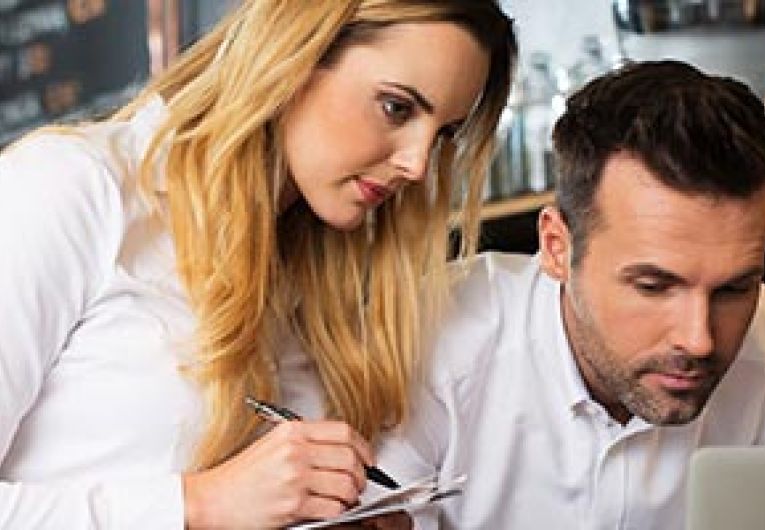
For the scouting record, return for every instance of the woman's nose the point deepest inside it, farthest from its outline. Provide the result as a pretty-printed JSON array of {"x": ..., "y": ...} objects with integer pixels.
[{"x": 412, "y": 159}]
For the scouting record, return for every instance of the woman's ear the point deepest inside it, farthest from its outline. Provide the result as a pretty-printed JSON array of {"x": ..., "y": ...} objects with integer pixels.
[{"x": 554, "y": 243}]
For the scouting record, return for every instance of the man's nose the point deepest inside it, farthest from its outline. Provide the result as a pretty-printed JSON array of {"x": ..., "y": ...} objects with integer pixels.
[{"x": 693, "y": 328}]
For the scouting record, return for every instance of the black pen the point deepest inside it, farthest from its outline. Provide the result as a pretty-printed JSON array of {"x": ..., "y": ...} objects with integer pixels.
[{"x": 277, "y": 414}]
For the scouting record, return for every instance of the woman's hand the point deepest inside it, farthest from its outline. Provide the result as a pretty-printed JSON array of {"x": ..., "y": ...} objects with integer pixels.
[{"x": 299, "y": 470}]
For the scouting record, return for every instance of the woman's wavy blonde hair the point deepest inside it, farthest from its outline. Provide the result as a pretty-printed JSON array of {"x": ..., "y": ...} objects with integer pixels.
[{"x": 352, "y": 298}]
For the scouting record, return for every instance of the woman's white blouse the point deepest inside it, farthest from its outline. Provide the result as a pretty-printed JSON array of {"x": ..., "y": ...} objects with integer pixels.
[{"x": 96, "y": 421}]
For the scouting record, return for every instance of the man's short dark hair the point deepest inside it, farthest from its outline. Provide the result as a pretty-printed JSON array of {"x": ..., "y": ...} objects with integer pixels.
[{"x": 697, "y": 133}]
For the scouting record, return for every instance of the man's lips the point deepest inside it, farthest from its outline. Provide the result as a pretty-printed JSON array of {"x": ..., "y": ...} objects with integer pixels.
[{"x": 679, "y": 381}]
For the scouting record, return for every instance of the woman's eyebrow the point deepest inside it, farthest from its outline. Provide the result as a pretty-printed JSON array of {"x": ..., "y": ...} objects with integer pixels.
[{"x": 421, "y": 100}]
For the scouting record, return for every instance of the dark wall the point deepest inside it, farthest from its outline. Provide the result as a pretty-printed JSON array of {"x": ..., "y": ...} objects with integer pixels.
[
  {"x": 63, "y": 58},
  {"x": 514, "y": 233},
  {"x": 197, "y": 16}
]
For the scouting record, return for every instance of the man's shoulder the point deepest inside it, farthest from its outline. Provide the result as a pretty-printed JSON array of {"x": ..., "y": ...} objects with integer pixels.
[
  {"x": 489, "y": 299},
  {"x": 477, "y": 279}
]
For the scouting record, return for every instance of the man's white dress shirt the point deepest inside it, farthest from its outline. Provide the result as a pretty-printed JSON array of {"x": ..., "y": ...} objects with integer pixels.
[
  {"x": 505, "y": 404},
  {"x": 96, "y": 421}
]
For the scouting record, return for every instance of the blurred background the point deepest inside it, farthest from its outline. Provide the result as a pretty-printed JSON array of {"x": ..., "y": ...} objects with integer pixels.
[
  {"x": 564, "y": 43},
  {"x": 67, "y": 60}
]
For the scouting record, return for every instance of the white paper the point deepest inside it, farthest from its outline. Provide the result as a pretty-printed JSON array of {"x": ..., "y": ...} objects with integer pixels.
[{"x": 409, "y": 498}]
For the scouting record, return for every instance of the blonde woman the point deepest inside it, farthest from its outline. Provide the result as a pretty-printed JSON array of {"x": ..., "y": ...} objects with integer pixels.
[{"x": 259, "y": 222}]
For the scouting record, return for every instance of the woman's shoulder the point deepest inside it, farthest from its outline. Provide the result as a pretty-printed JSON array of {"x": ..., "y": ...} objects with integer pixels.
[
  {"x": 61, "y": 181},
  {"x": 85, "y": 153},
  {"x": 62, "y": 157}
]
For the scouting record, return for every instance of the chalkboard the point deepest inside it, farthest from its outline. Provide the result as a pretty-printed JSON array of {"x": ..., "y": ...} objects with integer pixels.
[{"x": 68, "y": 59}]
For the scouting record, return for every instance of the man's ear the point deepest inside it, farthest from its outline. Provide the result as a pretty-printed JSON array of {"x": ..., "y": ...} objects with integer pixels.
[{"x": 554, "y": 243}]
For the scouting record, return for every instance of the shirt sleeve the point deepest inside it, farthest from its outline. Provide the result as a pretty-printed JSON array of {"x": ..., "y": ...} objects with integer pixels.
[
  {"x": 436, "y": 436},
  {"x": 152, "y": 503},
  {"x": 415, "y": 450},
  {"x": 61, "y": 224}
]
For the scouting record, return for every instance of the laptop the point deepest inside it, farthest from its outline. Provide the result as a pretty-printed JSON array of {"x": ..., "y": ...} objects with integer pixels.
[{"x": 726, "y": 489}]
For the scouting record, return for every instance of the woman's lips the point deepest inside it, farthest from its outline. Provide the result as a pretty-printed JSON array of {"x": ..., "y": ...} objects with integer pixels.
[{"x": 372, "y": 193}]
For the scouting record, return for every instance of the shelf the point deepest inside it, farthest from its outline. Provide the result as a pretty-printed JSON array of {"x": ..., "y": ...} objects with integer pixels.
[{"x": 512, "y": 206}]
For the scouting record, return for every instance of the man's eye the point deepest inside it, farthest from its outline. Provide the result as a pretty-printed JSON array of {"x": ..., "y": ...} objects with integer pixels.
[
  {"x": 650, "y": 288},
  {"x": 397, "y": 110},
  {"x": 737, "y": 290}
]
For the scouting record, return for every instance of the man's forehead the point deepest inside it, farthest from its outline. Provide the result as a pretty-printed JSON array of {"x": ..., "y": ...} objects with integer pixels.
[
  {"x": 629, "y": 191},
  {"x": 642, "y": 220}
]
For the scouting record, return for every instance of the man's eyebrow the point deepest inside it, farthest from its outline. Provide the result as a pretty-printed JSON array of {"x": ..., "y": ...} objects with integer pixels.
[
  {"x": 648, "y": 269},
  {"x": 421, "y": 100},
  {"x": 751, "y": 274}
]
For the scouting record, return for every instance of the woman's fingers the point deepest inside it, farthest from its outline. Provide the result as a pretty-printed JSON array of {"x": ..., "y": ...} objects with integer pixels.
[
  {"x": 332, "y": 469},
  {"x": 335, "y": 485},
  {"x": 341, "y": 459},
  {"x": 299, "y": 470},
  {"x": 339, "y": 433},
  {"x": 314, "y": 507},
  {"x": 326, "y": 445}
]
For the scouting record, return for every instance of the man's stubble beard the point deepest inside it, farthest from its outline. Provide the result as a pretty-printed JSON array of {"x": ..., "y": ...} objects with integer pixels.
[{"x": 622, "y": 382}]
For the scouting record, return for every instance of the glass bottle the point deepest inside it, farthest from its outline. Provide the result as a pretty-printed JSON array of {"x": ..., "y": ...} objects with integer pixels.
[{"x": 538, "y": 92}]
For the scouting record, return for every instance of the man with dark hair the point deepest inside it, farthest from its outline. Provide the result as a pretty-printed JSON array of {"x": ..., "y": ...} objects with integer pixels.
[{"x": 573, "y": 386}]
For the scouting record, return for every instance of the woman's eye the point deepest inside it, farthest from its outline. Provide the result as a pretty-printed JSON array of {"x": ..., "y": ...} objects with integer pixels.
[{"x": 397, "y": 110}]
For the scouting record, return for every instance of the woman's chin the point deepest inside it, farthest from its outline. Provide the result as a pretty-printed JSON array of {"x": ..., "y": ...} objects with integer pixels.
[
  {"x": 347, "y": 223},
  {"x": 347, "y": 226}
]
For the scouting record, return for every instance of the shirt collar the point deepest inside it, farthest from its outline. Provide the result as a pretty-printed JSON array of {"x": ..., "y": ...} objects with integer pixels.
[
  {"x": 554, "y": 346},
  {"x": 572, "y": 388}
]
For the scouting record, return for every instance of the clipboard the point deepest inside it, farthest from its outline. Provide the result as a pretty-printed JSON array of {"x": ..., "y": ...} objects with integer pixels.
[{"x": 410, "y": 498}]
